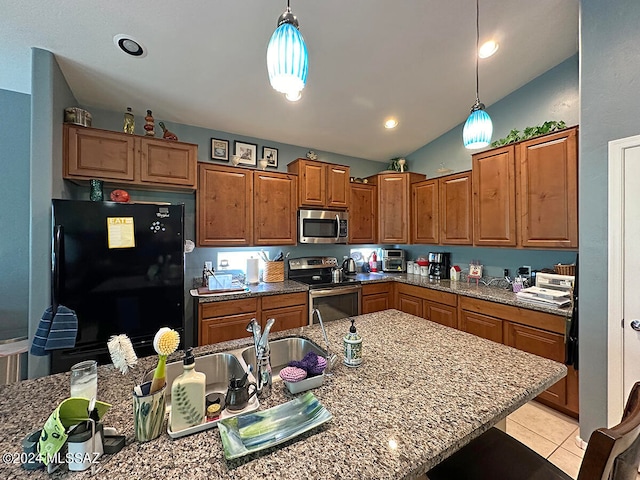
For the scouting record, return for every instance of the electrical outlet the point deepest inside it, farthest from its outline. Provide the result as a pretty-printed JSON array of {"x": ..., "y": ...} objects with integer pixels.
[{"x": 208, "y": 265}]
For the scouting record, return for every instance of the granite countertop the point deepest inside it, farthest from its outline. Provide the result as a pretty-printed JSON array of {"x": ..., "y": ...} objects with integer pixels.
[
  {"x": 261, "y": 289},
  {"x": 422, "y": 392},
  {"x": 483, "y": 292}
]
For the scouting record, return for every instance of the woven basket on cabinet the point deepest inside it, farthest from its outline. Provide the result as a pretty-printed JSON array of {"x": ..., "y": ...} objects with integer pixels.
[{"x": 565, "y": 269}]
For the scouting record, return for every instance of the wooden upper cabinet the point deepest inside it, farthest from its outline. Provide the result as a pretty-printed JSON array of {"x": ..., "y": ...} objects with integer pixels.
[
  {"x": 164, "y": 161},
  {"x": 547, "y": 170},
  {"x": 394, "y": 194},
  {"x": 117, "y": 157},
  {"x": 274, "y": 209},
  {"x": 425, "y": 221},
  {"x": 494, "y": 197},
  {"x": 320, "y": 184},
  {"x": 363, "y": 213},
  {"x": 456, "y": 220},
  {"x": 225, "y": 206},
  {"x": 338, "y": 186},
  {"x": 92, "y": 153}
]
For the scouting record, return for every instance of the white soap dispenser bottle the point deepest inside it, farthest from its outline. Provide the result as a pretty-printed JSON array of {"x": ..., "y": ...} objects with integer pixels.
[
  {"x": 352, "y": 347},
  {"x": 187, "y": 396}
]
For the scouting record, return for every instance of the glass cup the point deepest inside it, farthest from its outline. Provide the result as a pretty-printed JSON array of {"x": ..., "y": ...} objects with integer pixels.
[{"x": 84, "y": 379}]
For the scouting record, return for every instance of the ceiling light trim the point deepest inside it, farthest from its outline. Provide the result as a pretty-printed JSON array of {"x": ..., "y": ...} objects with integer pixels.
[{"x": 123, "y": 42}]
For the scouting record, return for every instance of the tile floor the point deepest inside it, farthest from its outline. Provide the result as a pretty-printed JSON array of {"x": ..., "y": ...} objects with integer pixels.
[{"x": 549, "y": 433}]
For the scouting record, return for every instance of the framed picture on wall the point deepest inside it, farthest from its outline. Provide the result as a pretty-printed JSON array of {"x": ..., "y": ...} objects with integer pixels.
[
  {"x": 219, "y": 149},
  {"x": 271, "y": 156},
  {"x": 247, "y": 152}
]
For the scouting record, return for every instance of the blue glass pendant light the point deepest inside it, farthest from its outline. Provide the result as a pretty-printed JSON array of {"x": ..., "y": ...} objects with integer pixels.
[
  {"x": 287, "y": 59},
  {"x": 478, "y": 128}
]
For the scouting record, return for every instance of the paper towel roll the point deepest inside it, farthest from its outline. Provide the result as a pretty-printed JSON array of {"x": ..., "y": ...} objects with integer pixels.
[{"x": 253, "y": 271}]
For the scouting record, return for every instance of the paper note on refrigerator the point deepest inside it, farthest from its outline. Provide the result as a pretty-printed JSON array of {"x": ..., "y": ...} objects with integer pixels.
[{"x": 120, "y": 232}]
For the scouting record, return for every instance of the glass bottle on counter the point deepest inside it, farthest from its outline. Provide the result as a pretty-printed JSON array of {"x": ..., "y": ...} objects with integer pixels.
[{"x": 129, "y": 122}]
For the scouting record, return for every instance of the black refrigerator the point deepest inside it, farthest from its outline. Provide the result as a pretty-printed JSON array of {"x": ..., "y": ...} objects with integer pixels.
[{"x": 120, "y": 267}]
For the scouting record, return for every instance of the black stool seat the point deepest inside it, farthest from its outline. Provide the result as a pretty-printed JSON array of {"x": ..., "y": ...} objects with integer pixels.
[{"x": 494, "y": 455}]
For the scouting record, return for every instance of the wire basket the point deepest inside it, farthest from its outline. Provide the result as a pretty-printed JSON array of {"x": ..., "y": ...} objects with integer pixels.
[
  {"x": 273, "y": 272},
  {"x": 565, "y": 269}
]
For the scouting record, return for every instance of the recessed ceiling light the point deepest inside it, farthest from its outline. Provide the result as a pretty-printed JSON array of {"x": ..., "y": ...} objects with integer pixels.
[
  {"x": 488, "y": 48},
  {"x": 130, "y": 45},
  {"x": 391, "y": 123}
]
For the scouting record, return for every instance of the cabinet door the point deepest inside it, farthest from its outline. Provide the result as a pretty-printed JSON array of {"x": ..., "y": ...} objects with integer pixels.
[
  {"x": 481, "y": 326},
  {"x": 286, "y": 317},
  {"x": 221, "y": 329},
  {"x": 312, "y": 178},
  {"x": 225, "y": 206},
  {"x": 363, "y": 213},
  {"x": 172, "y": 163},
  {"x": 455, "y": 209},
  {"x": 393, "y": 208},
  {"x": 409, "y": 304},
  {"x": 547, "y": 345},
  {"x": 440, "y": 313},
  {"x": 547, "y": 170},
  {"x": 274, "y": 208},
  {"x": 92, "y": 153},
  {"x": 337, "y": 186},
  {"x": 375, "y": 303},
  {"x": 494, "y": 197},
  {"x": 425, "y": 221}
]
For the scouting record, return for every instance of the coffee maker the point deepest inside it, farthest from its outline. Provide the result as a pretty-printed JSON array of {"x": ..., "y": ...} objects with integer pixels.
[{"x": 439, "y": 263}]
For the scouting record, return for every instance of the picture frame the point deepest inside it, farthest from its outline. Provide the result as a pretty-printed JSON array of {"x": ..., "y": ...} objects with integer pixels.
[
  {"x": 247, "y": 152},
  {"x": 219, "y": 149},
  {"x": 271, "y": 155}
]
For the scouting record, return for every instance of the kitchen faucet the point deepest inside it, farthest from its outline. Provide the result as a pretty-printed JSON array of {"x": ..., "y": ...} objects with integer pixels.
[
  {"x": 331, "y": 357},
  {"x": 263, "y": 366}
]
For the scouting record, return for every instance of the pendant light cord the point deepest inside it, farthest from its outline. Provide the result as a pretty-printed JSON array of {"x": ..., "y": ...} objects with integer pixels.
[{"x": 476, "y": 53}]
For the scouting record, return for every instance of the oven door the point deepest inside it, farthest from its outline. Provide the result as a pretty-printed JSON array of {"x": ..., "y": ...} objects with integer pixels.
[
  {"x": 334, "y": 303},
  {"x": 323, "y": 226}
]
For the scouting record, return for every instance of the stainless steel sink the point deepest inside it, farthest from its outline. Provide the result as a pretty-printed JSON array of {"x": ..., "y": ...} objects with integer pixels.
[
  {"x": 283, "y": 351},
  {"x": 218, "y": 367}
]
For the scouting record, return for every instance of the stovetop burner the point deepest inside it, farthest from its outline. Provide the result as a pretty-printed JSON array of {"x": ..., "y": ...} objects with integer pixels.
[{"x": 316, "y": 272}]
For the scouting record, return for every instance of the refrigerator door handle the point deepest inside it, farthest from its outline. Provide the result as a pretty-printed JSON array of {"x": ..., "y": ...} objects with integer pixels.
[{"x": 56, "y": 262}]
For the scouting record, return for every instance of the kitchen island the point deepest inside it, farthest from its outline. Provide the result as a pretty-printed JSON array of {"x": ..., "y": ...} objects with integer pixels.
[{"x": 422, "y": 392}]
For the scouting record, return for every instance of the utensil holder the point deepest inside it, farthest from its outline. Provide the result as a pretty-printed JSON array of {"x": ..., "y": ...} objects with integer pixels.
[
  {"x": 273, "y": 272},
  {"x": 148, "y": 413}
]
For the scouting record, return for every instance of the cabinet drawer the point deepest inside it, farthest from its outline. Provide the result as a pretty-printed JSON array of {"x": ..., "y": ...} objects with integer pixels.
[
  {"x": 409, "y": 304},
  {"x": 440, "y": 313},
  {"x": 284, "y": 300},
  {"x": 224, "y": 328},
  {"x": 229, "y": 307},
  {"x": 437, "y": 296},
  {"x": 374, "y": 288},
  {"x": 286, "y": 318},
  {"x": 375, "y": 303},
  {"x": 536, "y": 341}
]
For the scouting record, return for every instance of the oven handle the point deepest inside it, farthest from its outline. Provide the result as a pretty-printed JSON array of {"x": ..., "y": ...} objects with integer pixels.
[
  {"x": 338, "y": 227},
  {"x": 331, "y": 292}
]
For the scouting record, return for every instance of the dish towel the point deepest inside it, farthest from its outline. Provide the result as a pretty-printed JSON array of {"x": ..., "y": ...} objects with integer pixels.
[{"x": 55, "y": 331}]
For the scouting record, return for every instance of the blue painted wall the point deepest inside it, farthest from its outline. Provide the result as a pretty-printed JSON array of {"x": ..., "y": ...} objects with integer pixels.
[
  {"x": 551, "y": 96},
  {"x": 14, "y": 213},
  {"x": 609, "y": 102}
]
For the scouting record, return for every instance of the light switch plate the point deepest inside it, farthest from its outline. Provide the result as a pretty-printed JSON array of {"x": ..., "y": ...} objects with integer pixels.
[{"x": 208, "y": 265}]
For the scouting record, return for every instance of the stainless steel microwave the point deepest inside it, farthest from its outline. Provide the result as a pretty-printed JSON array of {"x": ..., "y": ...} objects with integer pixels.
[{"x": 323, "y": 226}]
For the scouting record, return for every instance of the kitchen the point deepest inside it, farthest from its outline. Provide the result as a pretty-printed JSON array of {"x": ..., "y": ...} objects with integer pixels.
[{"x": 593, "y": 141}]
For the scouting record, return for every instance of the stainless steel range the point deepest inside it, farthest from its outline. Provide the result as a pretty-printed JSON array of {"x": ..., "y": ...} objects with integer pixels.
[{"x": 334, "y": 299}]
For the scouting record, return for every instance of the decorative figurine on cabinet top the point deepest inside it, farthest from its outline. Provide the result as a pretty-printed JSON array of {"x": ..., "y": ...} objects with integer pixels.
[
  {"x": 166, "y": 134},
  {"x": 149, "y": 125}
]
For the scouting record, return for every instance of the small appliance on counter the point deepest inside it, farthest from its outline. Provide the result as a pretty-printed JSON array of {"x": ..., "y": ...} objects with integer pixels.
[
  {"x": 439, "y": 264},
  {"x": 393, "y": 260}
]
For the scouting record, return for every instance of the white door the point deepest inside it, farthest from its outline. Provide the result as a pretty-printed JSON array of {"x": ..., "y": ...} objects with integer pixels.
[{"x": 624, "y": 266}]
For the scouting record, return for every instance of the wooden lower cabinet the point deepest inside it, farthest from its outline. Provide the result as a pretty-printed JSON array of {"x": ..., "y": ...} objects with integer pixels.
[
  {"x": 519, "y": 328},
  {"x": 440, "y": 313},
  {"x": 227, "y": 320},
  {"x": 290, "y": 310},
  {"x": 481, "y": 325},
  {"x": 410, "y": 304},
  {"x": 376, "y": 297}
]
